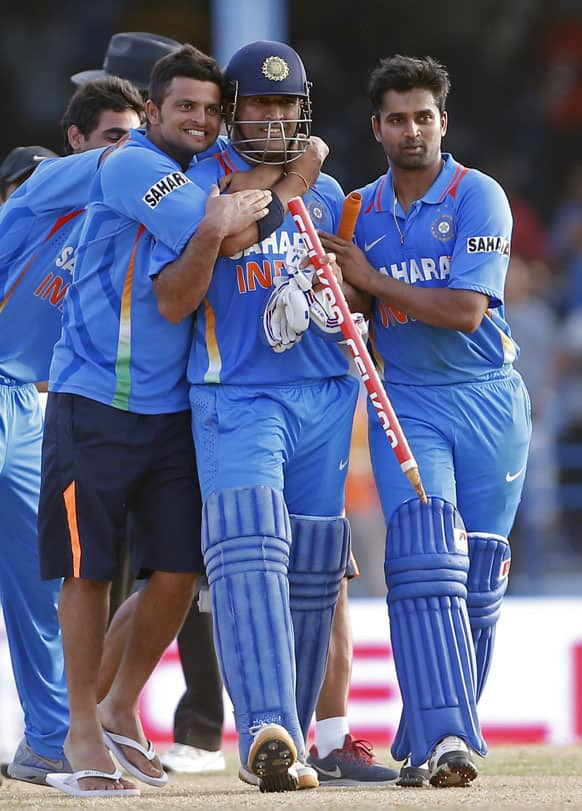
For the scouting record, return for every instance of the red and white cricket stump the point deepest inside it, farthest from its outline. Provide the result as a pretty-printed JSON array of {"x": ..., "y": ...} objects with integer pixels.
[{"x": 353, "y": 339}]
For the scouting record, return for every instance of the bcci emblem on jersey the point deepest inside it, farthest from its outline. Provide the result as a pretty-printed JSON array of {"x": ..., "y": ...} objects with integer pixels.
[
  {"x": 442, "y": 228},
  {"x": 275, "y": 68},
  {"x": 320, "y": 215}
]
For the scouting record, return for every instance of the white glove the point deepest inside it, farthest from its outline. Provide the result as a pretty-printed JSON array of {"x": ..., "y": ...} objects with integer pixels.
[
  {"x": 325, "y": 316},
  {"x": 294, "y": 305},
  {"x": 286, "y": 316}
]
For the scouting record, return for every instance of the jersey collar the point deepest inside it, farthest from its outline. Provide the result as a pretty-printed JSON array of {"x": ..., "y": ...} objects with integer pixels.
[
  {"x": 434, "y": 195},
  {"x": 138, "y": 137}
]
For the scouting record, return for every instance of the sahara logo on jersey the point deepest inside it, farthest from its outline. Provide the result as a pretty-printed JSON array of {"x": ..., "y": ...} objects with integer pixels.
[
  {"x": 419, "y": 269},
  {"x": 488, "y": 245},
  {"x": 163, "y": 187},
  {"x": 66, "y": 259}
]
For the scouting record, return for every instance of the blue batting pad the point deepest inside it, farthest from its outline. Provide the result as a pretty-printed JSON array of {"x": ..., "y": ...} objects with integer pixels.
[
  {"x": 319, "y": 554},
  {"x": 490, "y": 557},
  {"x": 246, "y": 536},
  {"x": 426, "y": 572}
]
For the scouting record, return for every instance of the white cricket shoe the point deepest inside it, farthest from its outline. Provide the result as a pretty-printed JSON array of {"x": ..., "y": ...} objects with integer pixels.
[
  {"x": 450, "y": 764},
  {"x": 184, "y": 759}
]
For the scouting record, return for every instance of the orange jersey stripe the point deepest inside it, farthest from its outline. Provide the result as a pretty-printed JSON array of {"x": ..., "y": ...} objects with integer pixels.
[
  {"x": 223, "y": 164},
  {"x": 63, "y": 221},
  {"x": 70, "y": 497},
  {"x": 451, "y": 189}
]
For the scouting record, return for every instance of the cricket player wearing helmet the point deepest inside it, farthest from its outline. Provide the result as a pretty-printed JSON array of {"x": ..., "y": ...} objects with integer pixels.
[{"x": 272, "y": 435}]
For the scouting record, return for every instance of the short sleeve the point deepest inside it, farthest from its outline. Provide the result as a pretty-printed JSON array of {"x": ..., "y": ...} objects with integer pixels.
[{"x": 482, "y": 245}]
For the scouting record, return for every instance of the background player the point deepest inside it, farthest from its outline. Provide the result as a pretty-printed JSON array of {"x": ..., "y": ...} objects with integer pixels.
[
  {"x": 36, "y": 264},
  {"x": 18, "y": 166},
  {"x": 432, "y": 251}
]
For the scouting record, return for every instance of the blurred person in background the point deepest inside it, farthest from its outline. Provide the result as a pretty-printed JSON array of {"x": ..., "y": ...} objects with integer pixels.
[
  {"x": 566, "y": 239},
  {"x": 570, "y": 430},
  {"x": 535, "y": 327},
  {"x": 18, "y": 166}
]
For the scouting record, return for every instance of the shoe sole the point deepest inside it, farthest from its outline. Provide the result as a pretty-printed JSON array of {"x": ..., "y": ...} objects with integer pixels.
[
  {"x": 304, "y": 781},
  {"x": 412, "y": 777},
  {"x": 340, "y": 782},
  {"x": 35, "y": 776},
  {"x": 270, "y": 760},
  {"x": 454, "y": 773},
  {"x": 307, "y": 781}
]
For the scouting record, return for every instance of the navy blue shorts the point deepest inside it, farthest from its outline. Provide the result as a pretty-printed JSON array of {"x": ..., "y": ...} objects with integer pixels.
[{"x": 107, "y": 472}]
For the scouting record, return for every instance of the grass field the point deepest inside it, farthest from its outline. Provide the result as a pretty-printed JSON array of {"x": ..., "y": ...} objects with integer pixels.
[{"x": 516, "y": 777}]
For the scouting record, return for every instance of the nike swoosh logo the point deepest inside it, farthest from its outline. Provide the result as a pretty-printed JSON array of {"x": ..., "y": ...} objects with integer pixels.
[
  {"x": 369, "y": 245},
  {"x": 343, "y": 463},
  {"x": 337, "y": 772},
  {"x": 509, "y": 477}
]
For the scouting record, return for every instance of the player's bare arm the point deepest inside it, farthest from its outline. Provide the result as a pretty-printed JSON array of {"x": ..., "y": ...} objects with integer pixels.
[
  {"x": 262, "y": 176},
  {"x": 462, "y": 310},
  {"x": 265, "y": 175},
  {"x": 293, "y": 182},
  {"x": 182, "y": 284}
]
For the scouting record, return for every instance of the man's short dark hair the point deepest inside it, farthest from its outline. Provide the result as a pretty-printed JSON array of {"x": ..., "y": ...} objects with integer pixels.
[
  {"x": 404, "y": 73},
  {"x": 188, "y": 62},
  {"x": 91, "y": 99}
]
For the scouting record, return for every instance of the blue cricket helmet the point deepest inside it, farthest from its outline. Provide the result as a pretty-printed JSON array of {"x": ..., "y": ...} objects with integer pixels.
[{"x": 268, "y": 68}]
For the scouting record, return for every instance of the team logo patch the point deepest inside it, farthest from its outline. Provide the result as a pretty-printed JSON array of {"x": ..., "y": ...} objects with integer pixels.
[
  {"x": 442, "y": 228},
  {"x": 488, "y": 245},
  {"x": 318, "y": 212},
  {"x": 275, "y": 68},
  {"x": 163, "y": 187}
]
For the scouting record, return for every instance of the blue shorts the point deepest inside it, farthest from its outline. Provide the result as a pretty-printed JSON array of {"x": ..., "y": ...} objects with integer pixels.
[
  {"x": 291, "y": 438},
  {"x": 107, "y": 471},
  {"x": 470, "y": 441}
]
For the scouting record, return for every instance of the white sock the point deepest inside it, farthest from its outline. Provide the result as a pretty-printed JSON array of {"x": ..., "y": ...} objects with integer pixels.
[{"x": 330, "y": 734}]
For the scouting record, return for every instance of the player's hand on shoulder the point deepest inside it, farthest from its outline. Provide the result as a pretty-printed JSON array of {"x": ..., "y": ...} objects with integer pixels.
[
  {"x": 319, "y": 148},
  {"x": 237, "y": 211}
]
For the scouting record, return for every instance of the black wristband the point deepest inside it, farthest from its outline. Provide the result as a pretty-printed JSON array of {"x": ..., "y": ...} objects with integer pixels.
[{"x": 271, "y": 221}]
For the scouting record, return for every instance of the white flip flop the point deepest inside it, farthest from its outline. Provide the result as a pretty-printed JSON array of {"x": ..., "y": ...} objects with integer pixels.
[
  {"x": 115, "y": 742},
  {"x": 69, "y": 784}
]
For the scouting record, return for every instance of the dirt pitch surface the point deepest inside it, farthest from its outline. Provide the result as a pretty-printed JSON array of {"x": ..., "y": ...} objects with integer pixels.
[{"x": 517, "y": 777}]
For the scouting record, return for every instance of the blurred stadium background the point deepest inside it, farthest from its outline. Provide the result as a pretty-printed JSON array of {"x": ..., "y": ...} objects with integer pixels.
[{"x": 515, "y": 112}]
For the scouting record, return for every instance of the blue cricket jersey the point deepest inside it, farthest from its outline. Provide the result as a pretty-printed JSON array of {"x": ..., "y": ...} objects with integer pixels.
[
  {"x": 38, "y": 225},
  {"x": 115, "y": 346},
  {"x": 228, "y": 345},
  {"x": 458, "y": 236}
]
